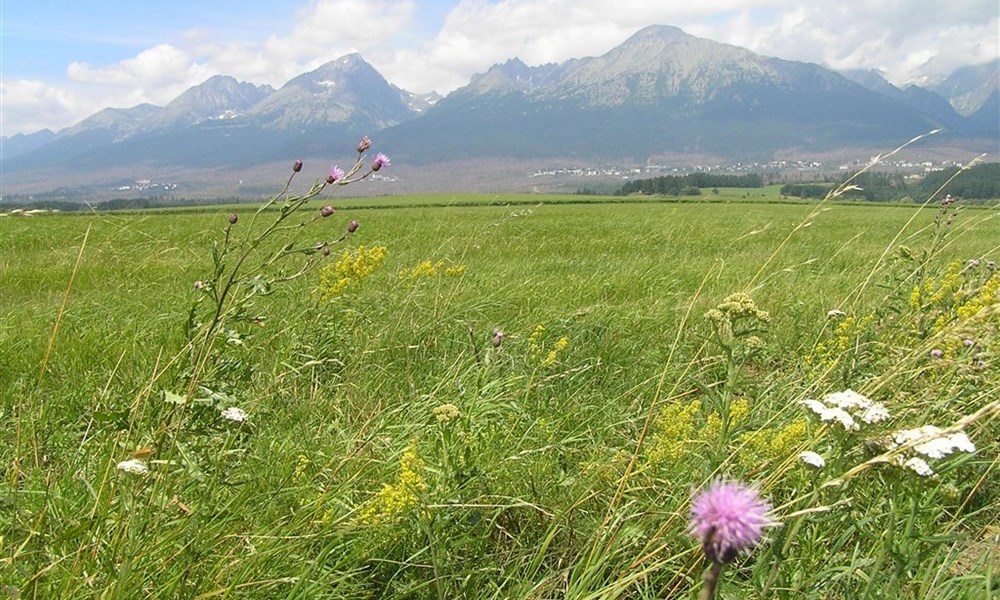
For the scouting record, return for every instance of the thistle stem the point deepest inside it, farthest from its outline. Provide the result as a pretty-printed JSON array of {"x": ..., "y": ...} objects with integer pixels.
[{"x": 711, "y": 579}]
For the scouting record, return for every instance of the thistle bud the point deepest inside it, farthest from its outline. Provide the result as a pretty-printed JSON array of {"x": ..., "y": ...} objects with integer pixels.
[
  {"x": 497, "y": 338},
  {"x": 364, "y": 144},
  {"x": 326, "y": 251},
  {"x": 326, "y": 211},
  {"x": 352, "y": 226},
  {"x": 297, "y": 166},
  {"x": 233, "y": 218}
]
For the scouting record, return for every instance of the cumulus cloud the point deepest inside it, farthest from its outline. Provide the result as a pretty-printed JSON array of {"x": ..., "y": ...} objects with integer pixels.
[
  {"x": 906, "y": 40},
  {"x": 30, "y": 106}
]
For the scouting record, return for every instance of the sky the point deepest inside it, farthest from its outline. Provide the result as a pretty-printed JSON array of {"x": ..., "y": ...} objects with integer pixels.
[{"x": 63, "y": 60}]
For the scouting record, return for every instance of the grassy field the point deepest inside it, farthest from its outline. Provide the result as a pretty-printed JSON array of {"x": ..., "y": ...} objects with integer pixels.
[{"x": 395, "y": 446}]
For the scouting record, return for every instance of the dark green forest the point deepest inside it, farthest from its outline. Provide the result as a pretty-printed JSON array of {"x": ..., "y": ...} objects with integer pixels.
[
  {"x": 690, "y": 184},
  {"x": 980, "y": 182}
]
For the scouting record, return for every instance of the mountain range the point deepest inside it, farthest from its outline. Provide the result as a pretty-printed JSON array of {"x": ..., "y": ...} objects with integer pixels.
[{"x": 660, "y": 93}]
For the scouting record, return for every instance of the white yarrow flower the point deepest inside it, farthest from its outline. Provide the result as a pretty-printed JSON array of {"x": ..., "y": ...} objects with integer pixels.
[
  {"x": 932, "y": 442},
  {"x": 847, "y": 400},
  {"x": 134, "y": 466},
  {"x": 835, "y": 313},
  {"x": 918, "y": 466},
  {"x": 875, "y": 413},
  {"x": 843, "y": 407},
  {"x": 236, "y": 415},
  {"x": 811, "y": 458},
  {"x": 827, "y": 413}
]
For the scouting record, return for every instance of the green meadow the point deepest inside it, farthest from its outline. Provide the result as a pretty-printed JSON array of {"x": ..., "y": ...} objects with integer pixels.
[{"x": 495, "y": 396}]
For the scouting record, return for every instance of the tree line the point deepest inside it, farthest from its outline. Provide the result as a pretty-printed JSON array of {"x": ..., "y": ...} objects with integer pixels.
[
  {"x": 690, "y": 184},
  {"x": 979, "y": 182}
]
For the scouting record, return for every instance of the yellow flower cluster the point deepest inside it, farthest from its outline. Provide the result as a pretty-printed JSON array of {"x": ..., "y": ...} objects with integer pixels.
[
  {"x": 673, "y": 432},
  {"x": 738, "y": 411},
  {"x": 535, "y": 340},
  {"x": 302, "y": 463},
  {"x": 426, "y": 269},
  {"x": 948, "y": 287},
  {"x": 536, "y": 347},
  {"x": 350, "y": 270},
  {"x": 769, "y": 444},
  {"x": 846, "y": 337},
  {"x": 987, "y": 299},
  {"x": 553, "y": 354},
  {"x": 394, "y": 499},
  {"x": 954, "y": 306}
]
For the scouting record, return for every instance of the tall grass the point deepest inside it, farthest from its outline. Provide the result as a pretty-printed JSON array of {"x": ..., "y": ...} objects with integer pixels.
[{"x": 565, "y": 464}]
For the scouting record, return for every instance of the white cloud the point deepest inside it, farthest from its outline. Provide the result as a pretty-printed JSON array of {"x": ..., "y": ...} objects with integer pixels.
[{"x": 30, "y": 106}]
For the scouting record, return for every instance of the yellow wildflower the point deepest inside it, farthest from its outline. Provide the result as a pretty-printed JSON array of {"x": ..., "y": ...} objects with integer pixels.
[
  {"x": 393, "y": 501},
  {"x": 673, "y": 431},
  {"x": 350, "y": 270}
]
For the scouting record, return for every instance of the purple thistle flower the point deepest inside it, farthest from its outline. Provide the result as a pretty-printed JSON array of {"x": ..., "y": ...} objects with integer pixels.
[
  {"x": 336, "y": 174},
  {"x": 381, "y": 160},
  {"x": 968, "y": 342},
  {"x": 728, "y": 518},
  {"x": 937, "y": 353},
  {"x": 363, "y": 144}
]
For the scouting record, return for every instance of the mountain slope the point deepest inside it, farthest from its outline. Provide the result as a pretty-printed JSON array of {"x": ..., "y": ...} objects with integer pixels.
[
  {"x": 922, "y": 100},
  {"x": 219, "y": 97},
  {"x": 347, "y": 90},
  {"x": 661, "y": 91},
  {"x": 968, "y": 89},
  {"x": 21, "y": 143}
]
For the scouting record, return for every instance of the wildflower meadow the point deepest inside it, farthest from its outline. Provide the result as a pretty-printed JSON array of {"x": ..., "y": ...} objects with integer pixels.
[{"x": 321, "y": 396}]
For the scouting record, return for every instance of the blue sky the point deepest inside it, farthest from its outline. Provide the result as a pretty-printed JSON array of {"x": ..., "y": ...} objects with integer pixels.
[{"x": 61, "y": 61}]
